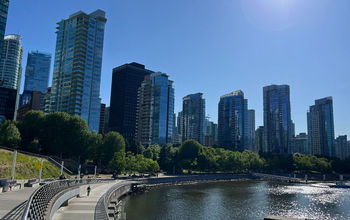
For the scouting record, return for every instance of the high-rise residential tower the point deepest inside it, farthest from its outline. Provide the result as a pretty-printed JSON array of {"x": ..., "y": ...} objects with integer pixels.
[
  {"x": 251, "y": 130},
  {"x": 341, "y": 147},
  {"x": 233, "y": 121},
  {"x": 320, "y": 125},
  {"x": 77, "y": 66},
  {"x": 126, "y": 80},
  {"x": 155, "y": 110},
  {"x": 193, "y": 117},
  {"x": 4, "y": 5},
  {"x": 259, "y": 139},
  {"x": 277, "y": 119},
  {"x": 10, "y": 62}
]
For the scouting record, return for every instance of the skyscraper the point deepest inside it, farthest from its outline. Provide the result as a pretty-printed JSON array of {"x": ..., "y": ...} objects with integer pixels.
[
  {"x": 300, "y": 144},
  {"x": 193, "y": 117},
  {"x": 7, "y": 104},
  {"x": 37, "y": 71},
  {"x": 36, "y": 75},
  {"x": 341, "y": 147},
  {"x": 77, "y": 66},
  {"x": 101, "y": 127},
  {"x": 126, "y": 81},
  {"x": 233, "y": 121},
  {"x": 320, "y": 125},
  {"x": 259, "y": 139},
  {"x": 4, "y": 5},
  {"x": 10, "y": 62},
  {"x": 155, "y": 110},
  {"x": 251, "y": 130},
  {"x": 277, "y": 119}
]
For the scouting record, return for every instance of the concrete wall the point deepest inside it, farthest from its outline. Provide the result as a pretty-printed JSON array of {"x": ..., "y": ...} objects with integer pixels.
[{"x": 62, "y": 199}]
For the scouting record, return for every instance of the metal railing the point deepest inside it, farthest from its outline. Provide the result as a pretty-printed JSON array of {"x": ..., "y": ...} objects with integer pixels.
[
  {"x": 38, "y": 203},
  {"x": 119, "y": 189}
]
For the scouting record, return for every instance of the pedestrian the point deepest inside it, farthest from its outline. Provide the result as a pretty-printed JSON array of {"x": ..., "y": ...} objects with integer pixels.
[{"x": 88, "y": 190}]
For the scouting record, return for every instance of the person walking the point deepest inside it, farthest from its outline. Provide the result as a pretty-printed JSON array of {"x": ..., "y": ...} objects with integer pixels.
[{"x": 88, "y": 190}]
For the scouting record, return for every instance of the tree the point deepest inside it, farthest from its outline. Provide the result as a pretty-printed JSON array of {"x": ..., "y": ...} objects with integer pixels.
[
  {"x": 117, "y": 164},
  {"x": 167, "y": 158},
  {"x": 152, "y": 152},
  {"x": 112, "y": 142},
  {"x": 31, "y": 128},
  {"x": 188, "y": 154},
  {"x": 9, "y": 135},
  {"x": 94, "y": 145}
]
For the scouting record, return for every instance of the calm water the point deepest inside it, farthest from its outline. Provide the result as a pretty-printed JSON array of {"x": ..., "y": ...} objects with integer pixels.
[{"x": 239, "y": 200}]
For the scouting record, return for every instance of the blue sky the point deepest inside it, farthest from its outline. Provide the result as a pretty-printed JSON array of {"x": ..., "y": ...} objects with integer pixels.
[{"x": 216, "y": 46}]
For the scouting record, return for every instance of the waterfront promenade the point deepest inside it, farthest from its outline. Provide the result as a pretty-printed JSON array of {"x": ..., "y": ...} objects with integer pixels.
[{"x": 83, "y": 207}]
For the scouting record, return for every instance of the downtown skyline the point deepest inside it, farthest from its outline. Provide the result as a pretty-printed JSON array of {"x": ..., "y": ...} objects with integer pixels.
[{"x": 206, "y": 74}]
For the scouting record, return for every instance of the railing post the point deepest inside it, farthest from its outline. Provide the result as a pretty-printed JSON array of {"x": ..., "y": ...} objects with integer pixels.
[
  {"x": 13, "y": 165},
  {"x": 95, "y": 171},
  {"x": 62, "y": 168},
  {"x": 41, "y": 169},
  {"x": 79, "y": 172}
]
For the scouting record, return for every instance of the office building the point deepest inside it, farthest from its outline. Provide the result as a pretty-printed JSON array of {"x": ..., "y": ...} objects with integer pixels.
[
  {"x": 7, "y": 104},
  {"x": 341, "y": 147},
  {"x": 251, "y": 130},
  {"x": 126, "y": 80},
  {"x": 193, "y": 117},
  {"x": 259, "y": 140},
  {"x": 320, "y": 125},
  {"x": 233, "y": 121},
  {"x": 155, "y": 111},
  {"x": 101, "y": 129},
  {"x": 277, "y": 119},
  {"x": 77, "y": 66},
  {"x": 300, "y": 144},
  {"x": 35, "y": 103}
]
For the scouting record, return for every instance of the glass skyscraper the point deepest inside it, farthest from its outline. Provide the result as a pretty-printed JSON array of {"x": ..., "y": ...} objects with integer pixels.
[
  {"x": 126, "y": 80},
  {"x": 155, "y": 112},
  {"x": 10, "y": 62},
  {"x": 233, "y": 121},
  {"x": 277, "y": 119},
  {"x": 37, "y": 71},
  {"x": 4, "y": 6},
  {"x": 77, "y": 66},
  {"x": 251, "y": 130},
  {"x": 320, "y": 124},
  {"x": 193, "y": 117}
]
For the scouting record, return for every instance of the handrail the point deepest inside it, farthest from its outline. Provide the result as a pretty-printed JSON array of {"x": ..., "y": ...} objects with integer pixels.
[
  {"x": 39, "y": 201},
  {"x": 38, "y": 155}
]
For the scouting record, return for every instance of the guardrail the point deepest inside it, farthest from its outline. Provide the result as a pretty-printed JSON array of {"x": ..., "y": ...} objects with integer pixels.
[
  {"x": 38, "y": 203},
  {"x": 119, "y": 189}
]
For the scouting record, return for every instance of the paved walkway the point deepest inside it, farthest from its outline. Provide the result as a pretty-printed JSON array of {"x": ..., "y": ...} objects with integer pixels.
[
  {"x": 84, "y": 206},
  {"x": 11, "y": 200}
]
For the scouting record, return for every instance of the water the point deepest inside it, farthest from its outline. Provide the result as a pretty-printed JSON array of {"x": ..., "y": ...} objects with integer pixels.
[{"x": 240, "y": 200}]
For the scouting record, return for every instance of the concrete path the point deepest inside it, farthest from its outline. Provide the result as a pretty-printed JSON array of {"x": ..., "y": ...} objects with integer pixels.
[
  {"x": 9, "y": 201},
  {"x": 84, "y": 206}
]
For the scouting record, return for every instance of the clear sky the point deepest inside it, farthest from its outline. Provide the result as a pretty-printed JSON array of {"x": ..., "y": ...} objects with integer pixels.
[{"x": 216, "y": 46}]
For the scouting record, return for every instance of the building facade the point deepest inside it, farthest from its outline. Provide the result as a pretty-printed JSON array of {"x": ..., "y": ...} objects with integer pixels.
[
  {"x": 77, "y": 66},
  {"x": 259, "y": 140},
  {"x": 342, "y": 150},
  {"x": 101, "y": 127},
  {"x": 37, "y": 71},
  {"x": 193, "y": 117},
  {"x": 320, "y": 123},
  {"x": 155, "y": 111},
  {"x": 10, "y": 62},
  {"x": 233, "y": 121},
  {"x": 211, "y": 134},
  {"x": 126, "y": 80},
  {"x": 277, "y": 119},
  {"x": 7, "y": 104},
  {"x": 300, "y": 144},
  {"x": 251, "y": 130},
  {"x": 4, "y": 5},
  {"x": 35, "y": 103}
]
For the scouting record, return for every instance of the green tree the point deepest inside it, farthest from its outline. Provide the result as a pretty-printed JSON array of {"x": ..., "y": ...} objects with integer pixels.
[
  {"x": 167, "y": 158},
  {"x": 152, "y": 152},
  {"x": 188, "y": 154},
  {"x": 112, "y": 142},
  {"x": 9, "y": 135},
  {"x": 118, "y": 163},
  {"x": 31, "y": 128}
]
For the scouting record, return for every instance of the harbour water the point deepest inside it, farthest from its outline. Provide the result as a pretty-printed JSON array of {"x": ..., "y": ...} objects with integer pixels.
[{"x": 240, "y": 200}]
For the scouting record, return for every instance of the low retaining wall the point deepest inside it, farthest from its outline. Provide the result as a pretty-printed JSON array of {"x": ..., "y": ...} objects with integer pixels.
[
  {"x": 63, "y": 198},
  {"x": 192, "y": 178}
]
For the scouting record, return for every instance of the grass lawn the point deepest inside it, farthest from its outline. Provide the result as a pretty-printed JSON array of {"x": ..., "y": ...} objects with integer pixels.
[{"x": 26, "y": 166}]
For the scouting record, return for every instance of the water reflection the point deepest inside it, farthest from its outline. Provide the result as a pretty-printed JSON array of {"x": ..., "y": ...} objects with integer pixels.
[{"x": 240, "y": 200}]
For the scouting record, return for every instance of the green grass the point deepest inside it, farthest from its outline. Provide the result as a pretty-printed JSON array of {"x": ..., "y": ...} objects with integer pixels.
[{"x": 26, "y": 166}]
